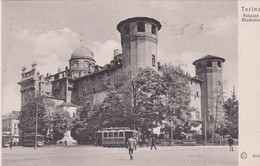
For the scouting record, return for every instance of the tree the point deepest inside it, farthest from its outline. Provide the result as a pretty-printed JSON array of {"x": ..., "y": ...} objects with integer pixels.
[
  {"x": 145, "y": 91},
  {"x": 60, "y": 121},
  {"x": 231, "y": 112},
  {"x": 177, "y": 94},
  {"x": 159, "y": 96},
  {"x": 27, "y": 118},
  {"x": 111, "y": 110},
  {"x": 49, "y": 118}
]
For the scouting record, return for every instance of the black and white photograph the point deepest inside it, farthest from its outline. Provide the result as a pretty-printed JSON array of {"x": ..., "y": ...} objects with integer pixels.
[{"x": 120, "y": 83}]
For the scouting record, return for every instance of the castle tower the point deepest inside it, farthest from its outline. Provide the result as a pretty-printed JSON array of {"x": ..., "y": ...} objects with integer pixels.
[
  {"x": 81, "y": 62},
  {"x": 209, "y": 69},
  {"x": 139, "y": 38}
]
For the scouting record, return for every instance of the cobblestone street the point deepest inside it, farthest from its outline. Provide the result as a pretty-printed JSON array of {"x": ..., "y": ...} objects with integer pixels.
[{"x": 98, "y": 156}]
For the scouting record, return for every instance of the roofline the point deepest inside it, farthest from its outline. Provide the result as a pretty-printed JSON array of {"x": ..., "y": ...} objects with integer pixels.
[
  {"x": 134, "y": 19},
  {"x": 205, "y": 58}
]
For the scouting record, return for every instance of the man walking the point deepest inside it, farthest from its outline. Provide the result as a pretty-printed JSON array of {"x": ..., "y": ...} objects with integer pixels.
[
  {"x": 230, "y": 143},
  {"x": 131, "y": 142},
  {"x": 153, "y": 144}
]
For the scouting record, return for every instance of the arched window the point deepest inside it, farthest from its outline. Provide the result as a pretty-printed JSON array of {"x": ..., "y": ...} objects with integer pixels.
[
  {"x": 219, "y": 64},
  {"x": 140, "y": 27},
  {"x": 209, "y": 64},
  {"x": 153, "y": 60},
  {"x": 126, "y": 29},
  {"x": 153, "y": 29}
]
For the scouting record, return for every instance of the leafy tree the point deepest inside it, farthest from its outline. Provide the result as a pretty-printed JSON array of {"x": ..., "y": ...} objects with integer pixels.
[
  {"x": 49, "y": 118},
  {"x": 60, "y": 121},
  {"x": 27, "y": 116},
  {"x": 146, "y": 92},
  {"x": 159, "y": 96},
  {"x": 177, "y": 94},
  {"x": 112, "y": 110},
  {"x": 231, "y": 112}
]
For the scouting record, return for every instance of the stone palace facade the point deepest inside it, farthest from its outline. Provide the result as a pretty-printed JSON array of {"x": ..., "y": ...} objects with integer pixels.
[{"x": 84, "y": 83}]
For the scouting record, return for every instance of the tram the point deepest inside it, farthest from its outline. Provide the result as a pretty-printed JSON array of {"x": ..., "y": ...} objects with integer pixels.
[
  {"x": 29, "y": 139},
  {"x": 6, "y": 137},
  {"x": 114, "y": 137}
]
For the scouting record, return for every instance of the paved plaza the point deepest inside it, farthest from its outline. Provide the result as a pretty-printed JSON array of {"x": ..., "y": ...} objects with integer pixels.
[{"x": 99, "y": 156}]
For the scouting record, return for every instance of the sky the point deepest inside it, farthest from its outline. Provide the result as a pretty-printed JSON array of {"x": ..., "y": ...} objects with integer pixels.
[{"x": 48, "y": 32}]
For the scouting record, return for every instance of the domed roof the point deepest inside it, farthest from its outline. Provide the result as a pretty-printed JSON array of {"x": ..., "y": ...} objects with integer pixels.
[{"x": 82, "y": 52}]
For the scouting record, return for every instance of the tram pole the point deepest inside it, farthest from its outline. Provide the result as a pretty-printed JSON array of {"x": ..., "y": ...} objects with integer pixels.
[{"x": 36, "y": 125}]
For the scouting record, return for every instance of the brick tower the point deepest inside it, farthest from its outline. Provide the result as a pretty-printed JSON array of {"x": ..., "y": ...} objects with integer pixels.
[
  {"x": 139, "y": 39},
  {"x": 209, "y": 69}
]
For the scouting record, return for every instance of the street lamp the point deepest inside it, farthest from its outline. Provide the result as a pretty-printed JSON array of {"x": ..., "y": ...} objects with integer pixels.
[
  {"x": 36, "y": 125},
  {"x": 171, "y": 124}
]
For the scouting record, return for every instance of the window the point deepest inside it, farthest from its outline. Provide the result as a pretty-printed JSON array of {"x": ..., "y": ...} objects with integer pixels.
[
  {"x": 126, "y": 29},
  {"x": 105, "y": 134},
  {"x": 219, "y": 83},
  {"x": 197, "y": 93},
  {"x": 110, "y": 134},
  {"x": 94, "y": 90},
  {"x": 73, "y": 115},
  {"x": 209, "y": 64},
  {"x": 219, "y": 63},
  {"x": 121, "y": 134},
  {"x": 140, "y": 27},
  {"x": 115, "y": 134},
  {"x": 76, "y": 64},
  {"x": 153, "y": 29},
  {"x": 153, "y": 60},
  {"x": 199, "y": 65}
]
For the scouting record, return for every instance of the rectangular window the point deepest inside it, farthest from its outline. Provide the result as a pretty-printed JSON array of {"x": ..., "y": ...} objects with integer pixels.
[
  {"x": 126, "y": 29},
  {"x": 209, "y": 64},
  {"x": 76, "y": 64},
  {"x": 110, "y": 134},
  {"x": 115, "y": 134},
  {"x": 153, "y": 60},
  {"x": 199, "y": 65},
  {"x": 219, "y": 63},
  {"x": 121, "y": 134},
  {"x": 153, "y": 29},
  {"x": 105, "y": 134},
  {"x": 140, "y": 27},
  {"x": 197, "y": 93}
]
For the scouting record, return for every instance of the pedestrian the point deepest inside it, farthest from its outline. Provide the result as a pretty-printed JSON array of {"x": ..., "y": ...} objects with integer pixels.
[
  {"x": 65, "y": 142},
  {"x": 11, "y": 144},
  {"x": 153, "y": 143},
  {"x": 131, "y": 142},
  {"x": 230, "y": 143}
]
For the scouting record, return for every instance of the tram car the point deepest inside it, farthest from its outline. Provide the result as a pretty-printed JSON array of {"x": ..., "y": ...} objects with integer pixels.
[
  {"x": 6, "y": 138},
  {"x": 114, "y": 137},
  {"x": 29, "y": 139}
]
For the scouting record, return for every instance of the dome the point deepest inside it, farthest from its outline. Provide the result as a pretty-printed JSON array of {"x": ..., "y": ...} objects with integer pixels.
[{"x": 82, "y": 53}]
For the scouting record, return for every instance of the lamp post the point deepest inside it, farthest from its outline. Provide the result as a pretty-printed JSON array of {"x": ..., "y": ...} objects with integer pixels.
[
  {"x": 36, "y": 125},
  {"x": 205, "y": 128},
  {"x": 171, "y": 131}
]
